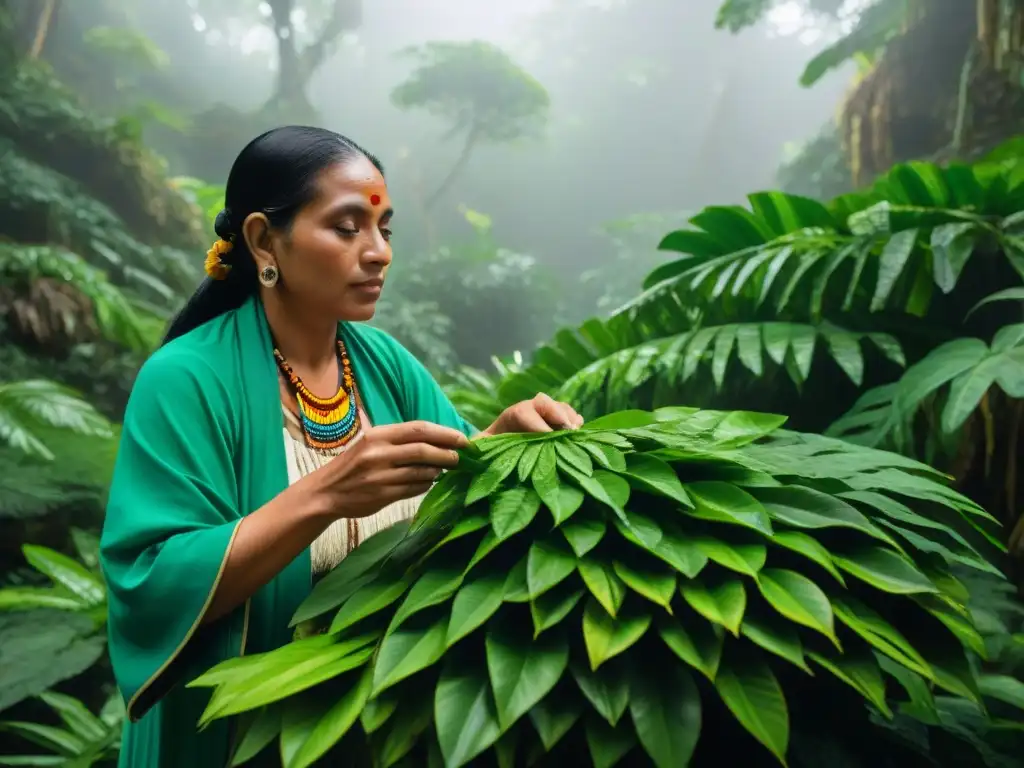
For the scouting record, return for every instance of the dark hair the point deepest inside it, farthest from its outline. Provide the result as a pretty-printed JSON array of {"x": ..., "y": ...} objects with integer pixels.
[{"x": 275, "y": 174}]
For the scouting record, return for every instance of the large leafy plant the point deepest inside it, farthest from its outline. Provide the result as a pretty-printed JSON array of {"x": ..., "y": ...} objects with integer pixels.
[{"x": 680, "y": 587}]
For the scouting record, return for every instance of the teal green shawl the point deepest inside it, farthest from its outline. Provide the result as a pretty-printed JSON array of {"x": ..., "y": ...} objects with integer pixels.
[{"x": 202, "y": 447}]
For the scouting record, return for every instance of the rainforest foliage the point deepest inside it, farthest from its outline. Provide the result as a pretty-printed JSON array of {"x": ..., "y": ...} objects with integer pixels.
[{"x": 841, "y": 589}]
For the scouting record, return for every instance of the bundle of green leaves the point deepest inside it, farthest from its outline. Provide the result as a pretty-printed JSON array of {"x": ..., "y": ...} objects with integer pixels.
[{"x": 668, "y": 588}]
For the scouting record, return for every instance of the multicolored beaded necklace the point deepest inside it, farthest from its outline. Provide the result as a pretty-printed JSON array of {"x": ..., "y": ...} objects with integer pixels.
[{"x": 327, "y": 423}]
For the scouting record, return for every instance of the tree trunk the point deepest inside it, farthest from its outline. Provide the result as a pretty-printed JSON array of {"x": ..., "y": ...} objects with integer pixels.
[
  {"x": 460, "y": 164},
  {"x": 42, "y": 28}
]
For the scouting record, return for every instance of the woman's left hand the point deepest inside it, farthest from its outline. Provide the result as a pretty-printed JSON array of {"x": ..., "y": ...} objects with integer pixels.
[{"x": 542, "y": 414}]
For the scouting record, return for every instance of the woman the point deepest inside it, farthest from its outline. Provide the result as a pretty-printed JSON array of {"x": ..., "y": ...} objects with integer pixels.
[{"x": 267, "y": 437}]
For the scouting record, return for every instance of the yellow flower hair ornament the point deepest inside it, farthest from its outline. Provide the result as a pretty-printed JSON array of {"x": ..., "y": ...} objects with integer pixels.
[{"x": 215, "y": 266}]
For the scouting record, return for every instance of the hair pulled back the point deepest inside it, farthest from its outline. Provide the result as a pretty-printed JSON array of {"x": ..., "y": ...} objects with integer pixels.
[{"x": 275, "y": 174}]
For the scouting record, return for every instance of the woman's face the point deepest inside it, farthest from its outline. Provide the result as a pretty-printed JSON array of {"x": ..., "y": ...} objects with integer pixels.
[{"x": 337, "y": 254}]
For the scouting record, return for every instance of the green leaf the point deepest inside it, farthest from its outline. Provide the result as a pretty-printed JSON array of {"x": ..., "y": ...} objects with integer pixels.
[
  {"x": 335, "y": 723},
  {"x": 606, "y": 456},
  {"x": 723, "y": 604},
  {"x": 952, "y": 246},
  {"x": 553, "y": 719},
  {"x": 1004, "y": 688},
  {"x": 725, "y": 502},
  {"x": 584, "y": 534},
  {"x": 517, "y": 590},
  {"x": 608, "y": 745},
  {"x": 651, "y": 474},
  {"x": 885, "y": 570},
  {"x": 672, "y": 545},
  {"x": 603, "y": 583},
  {"x": 857, "y": 667},
  {"x": 404, "y": 731},
  {"x": 528, "y": 461},
  {"x": 406, "y": 651},
  {"x": 607, "y": 689},
  {"x": 798, "y": 599},
  {"x": 754, "y": 696},
  {"x": 807, "y": 508},
  {"x": 545, "y": 472},
  {"x": 697, "y": 643},
  {"x": 257, "y": 735},
  {"x": 775, "y": 637},
  {"x": 563, "y": 501},
  {"x": 550, "y": 608},
  {"x": 523, "y": 672},
  {"x": 666, "y": 713},
  {"x": 475, "y": 603},
  {"x": 342, "y": 582},
  {"x": 656, "y": 584},
  {"x": 464, "y": 714},
  {"x": 608, "y": 488},
  {"x": 513, "y": 510},
  {"x": 548, "y": 563},
  {"x": 486, "y": 483},
  {"x": 65, "y": 572},
  {"x": 747, "y": 559},
  {"x": 574, "y": 457},
  {"x": 606, "y": 636},
  {"x": 895, "y": 255},
  {"x": 374, "y": 597},
  {"x": 880, "y": 634},
  {"x": 432, "y": 588},
  {"x": 810, "y": 548},
  {"x": 378, "y": 711}
]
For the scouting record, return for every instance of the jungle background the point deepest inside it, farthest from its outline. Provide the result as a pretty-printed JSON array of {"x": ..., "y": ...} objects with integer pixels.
[{"x": 582, "y": 210}]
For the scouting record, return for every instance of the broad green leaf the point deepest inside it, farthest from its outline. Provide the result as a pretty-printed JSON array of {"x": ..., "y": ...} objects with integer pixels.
[
  {"x": 880, "y": 634},
  {"x": 666, "y": 714},
  {"x": 603, "y": 583},
  {"x": 970, "y": 387},
  {"x": 64, "y": 571},
  {"x": 549, "y": 562},
  {"x": 553, "y": 717},
  {"x": 895, "y": 254},
  {"x": 620, "y": 420},
  {"x": 856, "y": 666},
  {"x": 574, "y": 457},
  {"x": 747, "y": 559},
  {"x": 335, "y": 723},
  {"x": 607, "y": 689},
  {"x": 563, "y": 501},
  {"x": 528, "y": 461},
  {"x": 1003, "y": 688},
  {"x": 723, "y": 604},
  {"x": 75, "y": 715},
  {"x": 606, "y": 456},
  {"x": 545, "y": 472},
  {"x": 605, "y": 636},
  {"x": 739, "y": 428},
  {"x": 257, "y": 734},
  {"x": 775, "y": 637},
  {"x": 697, "y": 643},
  {"x": 432, "y": 588},
  {"x": 550, "y": 608},
  {"x": 754, "y": 696},
  {"x": 724, "y": 502},
  {"x": 583, "y": 534},
  {"x": 952, "y": 246},
  {"x": 475, "y": 602},
  {"x": 464, "y": 713},
  {"x": 517, "y": 589},
  {"x": 342, "y": 582},
  {"x": 406, "y": 651},
  {"x": 607, "y": 745},
  {"x": 672, "y": 545},
  {"x": 374, "y": 597},
  {"x": 656, "y": 584},
  {"x": 885, "y": 570},
  {"x": 651, "y": 474},
  {"x": 487, "y": 545},
  {"x": 608, "y": 488},
  {"x": 810, "y": 548},
  {"x": 379, "y": 710},
  {"x": 512, "y": 510},
  {"x": 798, "y": 599},
  {"x": 807, "y": 508},
  {"x": 403, "y": 731},
  {"x": 486, "y": 483},
  {"x": 522, "y": 671}
]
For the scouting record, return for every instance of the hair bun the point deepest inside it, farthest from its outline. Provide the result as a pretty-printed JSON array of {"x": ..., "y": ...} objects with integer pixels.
[{"x": 222, "y": 225}]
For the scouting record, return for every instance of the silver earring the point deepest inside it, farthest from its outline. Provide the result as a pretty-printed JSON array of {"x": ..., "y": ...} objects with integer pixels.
[{"x": 268, "y": 276}]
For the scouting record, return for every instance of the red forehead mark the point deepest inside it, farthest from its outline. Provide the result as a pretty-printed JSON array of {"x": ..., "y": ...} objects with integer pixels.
[{"x": 374, "y": 199}]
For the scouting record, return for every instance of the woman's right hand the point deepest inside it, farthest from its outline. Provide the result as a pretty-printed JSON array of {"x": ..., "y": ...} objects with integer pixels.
[{"x": 387, "y": 464}]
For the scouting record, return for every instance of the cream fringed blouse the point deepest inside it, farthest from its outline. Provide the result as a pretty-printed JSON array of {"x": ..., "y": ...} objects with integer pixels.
[{"x": 334, "y": 544}]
